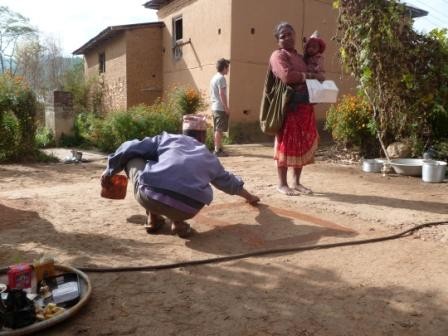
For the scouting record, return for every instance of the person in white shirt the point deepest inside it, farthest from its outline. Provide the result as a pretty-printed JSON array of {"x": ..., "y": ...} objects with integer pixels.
[{"x": 220, "y": 108}]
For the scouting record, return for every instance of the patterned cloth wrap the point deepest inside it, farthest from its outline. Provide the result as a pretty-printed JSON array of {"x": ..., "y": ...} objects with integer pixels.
[
  {"x": 297, "y": 141},
  {"x": 194, "y": 122}
]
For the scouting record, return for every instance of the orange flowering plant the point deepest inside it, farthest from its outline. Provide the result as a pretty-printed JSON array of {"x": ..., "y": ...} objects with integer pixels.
[
  {"x": 351, "y": 121},
  {"x": 188, "y": 100}
]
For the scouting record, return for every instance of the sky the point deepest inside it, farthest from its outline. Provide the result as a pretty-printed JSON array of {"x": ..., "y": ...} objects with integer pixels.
[
  {"x": 437, "y": 17},
  {"x": 73, "y": 23}
]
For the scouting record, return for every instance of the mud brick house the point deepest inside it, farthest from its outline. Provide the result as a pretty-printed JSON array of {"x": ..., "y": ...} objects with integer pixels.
[
  {"x": 144, "y": 61},
  {"x": 128, "y": 60}
]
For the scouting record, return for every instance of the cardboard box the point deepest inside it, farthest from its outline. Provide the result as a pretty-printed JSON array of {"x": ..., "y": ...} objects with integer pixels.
[{"x": 20, "y": 276}]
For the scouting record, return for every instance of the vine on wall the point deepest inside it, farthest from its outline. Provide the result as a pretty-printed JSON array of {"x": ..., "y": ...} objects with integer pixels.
[{"x": 403, "y": 73}]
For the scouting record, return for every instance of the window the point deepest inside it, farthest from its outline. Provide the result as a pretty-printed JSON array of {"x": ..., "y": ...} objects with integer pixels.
[
  {"x": 178, "y": 34},
  {"x": 102, "y": 62},
  {"x": 178, "y": 30}
]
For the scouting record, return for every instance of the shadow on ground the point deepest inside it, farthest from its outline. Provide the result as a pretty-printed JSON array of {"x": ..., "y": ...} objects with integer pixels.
[
  {"x": 244, "y": 298},
  {"x": 261, "y": 227},
  {"x": 83, "y": 245},
  {"x": 397, "y": 203}
]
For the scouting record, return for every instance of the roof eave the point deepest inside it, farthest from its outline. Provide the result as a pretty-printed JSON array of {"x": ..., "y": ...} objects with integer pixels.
[
  {"x": 416, "y": 12},
  {"x": 110, "y": 32},
  {"x": 156, "y": 4}
]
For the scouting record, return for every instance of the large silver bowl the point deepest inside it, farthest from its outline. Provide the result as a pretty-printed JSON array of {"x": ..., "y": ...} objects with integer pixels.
[{"x": 410, "y": 167}]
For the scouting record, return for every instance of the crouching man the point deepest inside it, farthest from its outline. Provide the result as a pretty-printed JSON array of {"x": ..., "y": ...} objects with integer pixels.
[{"x": 171, "y": 176}]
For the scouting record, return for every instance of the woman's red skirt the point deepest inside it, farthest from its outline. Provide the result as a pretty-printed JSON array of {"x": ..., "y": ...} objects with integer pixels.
[{"x": 297, "y": 141}]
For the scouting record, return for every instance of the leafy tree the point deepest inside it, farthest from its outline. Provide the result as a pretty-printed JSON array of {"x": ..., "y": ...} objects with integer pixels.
[
  {"x": 87, "y": 91},
  {"x": 55, "y": 65},
  {"x": 13, "y": 28},
  {"x": 73, "y": 81},
  {"x": 28, "y": 58},
  {"x": 42, "y": 64}
]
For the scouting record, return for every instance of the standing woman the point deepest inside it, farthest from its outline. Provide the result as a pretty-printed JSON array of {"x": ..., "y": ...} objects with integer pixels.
[{"x": 297, "y": 140}]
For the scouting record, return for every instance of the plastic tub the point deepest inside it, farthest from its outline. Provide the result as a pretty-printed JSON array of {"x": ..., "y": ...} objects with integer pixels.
[
  {"x": 117, "y": 190},
  {"x": 433, "y": 171}
]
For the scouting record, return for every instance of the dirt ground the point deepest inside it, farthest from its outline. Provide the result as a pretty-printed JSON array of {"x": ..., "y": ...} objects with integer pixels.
[{"x": 397, "y": 287}]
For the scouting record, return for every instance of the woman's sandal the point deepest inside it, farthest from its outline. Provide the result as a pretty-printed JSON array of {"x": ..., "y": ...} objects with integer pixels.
[
  {"x": 152, "y": 226},
  {"x": 182, "y": 229}
]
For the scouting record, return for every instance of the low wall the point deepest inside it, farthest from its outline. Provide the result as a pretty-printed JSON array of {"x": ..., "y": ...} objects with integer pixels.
[{"x": 59, "y": 113}]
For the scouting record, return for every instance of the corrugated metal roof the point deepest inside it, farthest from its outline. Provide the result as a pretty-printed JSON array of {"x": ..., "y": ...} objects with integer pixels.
[
  {"x": 156, "y": 4},
  {"x": 112, "y": 31},
  {"x": 416, "y": 12}
]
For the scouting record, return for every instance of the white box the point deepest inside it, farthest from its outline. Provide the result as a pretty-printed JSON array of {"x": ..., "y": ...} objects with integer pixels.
[
  {"x": 325, "y": 92},
  {"x": 65, "y": 292}
]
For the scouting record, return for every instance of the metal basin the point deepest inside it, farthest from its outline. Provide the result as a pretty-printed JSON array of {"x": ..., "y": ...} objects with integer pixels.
[
  {"x": 372, "y": 165},
  {"x": 410, "y": 167},
  {"x": 433, "y": 171}
]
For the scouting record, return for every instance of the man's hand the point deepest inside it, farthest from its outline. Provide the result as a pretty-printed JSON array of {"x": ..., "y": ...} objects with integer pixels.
[
  {"x": 106, "y": 180},
  {"x": 250, "y": 198}
]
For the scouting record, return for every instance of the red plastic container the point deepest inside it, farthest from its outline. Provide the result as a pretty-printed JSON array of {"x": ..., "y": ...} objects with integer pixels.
[
  {"x": 117, "y": 190},
  {"x": 19, "y": 276}
]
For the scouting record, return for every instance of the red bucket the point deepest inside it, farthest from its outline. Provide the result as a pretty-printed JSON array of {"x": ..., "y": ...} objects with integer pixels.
[{"x": 117, "y": 189}]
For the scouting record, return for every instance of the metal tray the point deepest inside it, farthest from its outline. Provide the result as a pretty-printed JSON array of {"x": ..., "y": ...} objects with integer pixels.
[{"x": 86, "y": 292}]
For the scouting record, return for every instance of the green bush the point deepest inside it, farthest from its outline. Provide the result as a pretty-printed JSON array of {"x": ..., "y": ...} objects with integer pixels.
[
  {"x": 438, "y": 119},
  {"x": 10, "y": 135},
  {"x": 109, "y": 131},
  {"x": 18, "y": 107},
  {"x": 351, "y": 123},
  {"x": 403, "y": 72},
  {"x": 116, "y": 127},
  {"x": 441, "y": 149},
  {"x": 44, "y": 137},
  {"x": 87, "y": 92}
]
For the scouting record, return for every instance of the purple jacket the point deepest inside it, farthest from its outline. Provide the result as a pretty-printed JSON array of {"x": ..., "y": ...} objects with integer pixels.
[{"x": 177, "y": 163}]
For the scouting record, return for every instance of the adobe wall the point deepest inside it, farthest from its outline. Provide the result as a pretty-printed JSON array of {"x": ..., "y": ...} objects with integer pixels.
[
  {"x": 144, "y": 70},
  {"x": 208, "y": 25},
  {"x": 243, "y": 32},
  {"x": 59, "y": 114},
  {"x": 253, "y": 23},
  {"x": 114, "y": 79}
]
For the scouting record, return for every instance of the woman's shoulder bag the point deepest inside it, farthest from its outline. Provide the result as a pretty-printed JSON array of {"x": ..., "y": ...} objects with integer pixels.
[{"x": 276, "y": 96}]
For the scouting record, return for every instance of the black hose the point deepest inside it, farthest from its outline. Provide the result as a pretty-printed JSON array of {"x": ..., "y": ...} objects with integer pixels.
[
  {"x": 252, "y": 254},
  {"x": 255, "y": 253}
]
